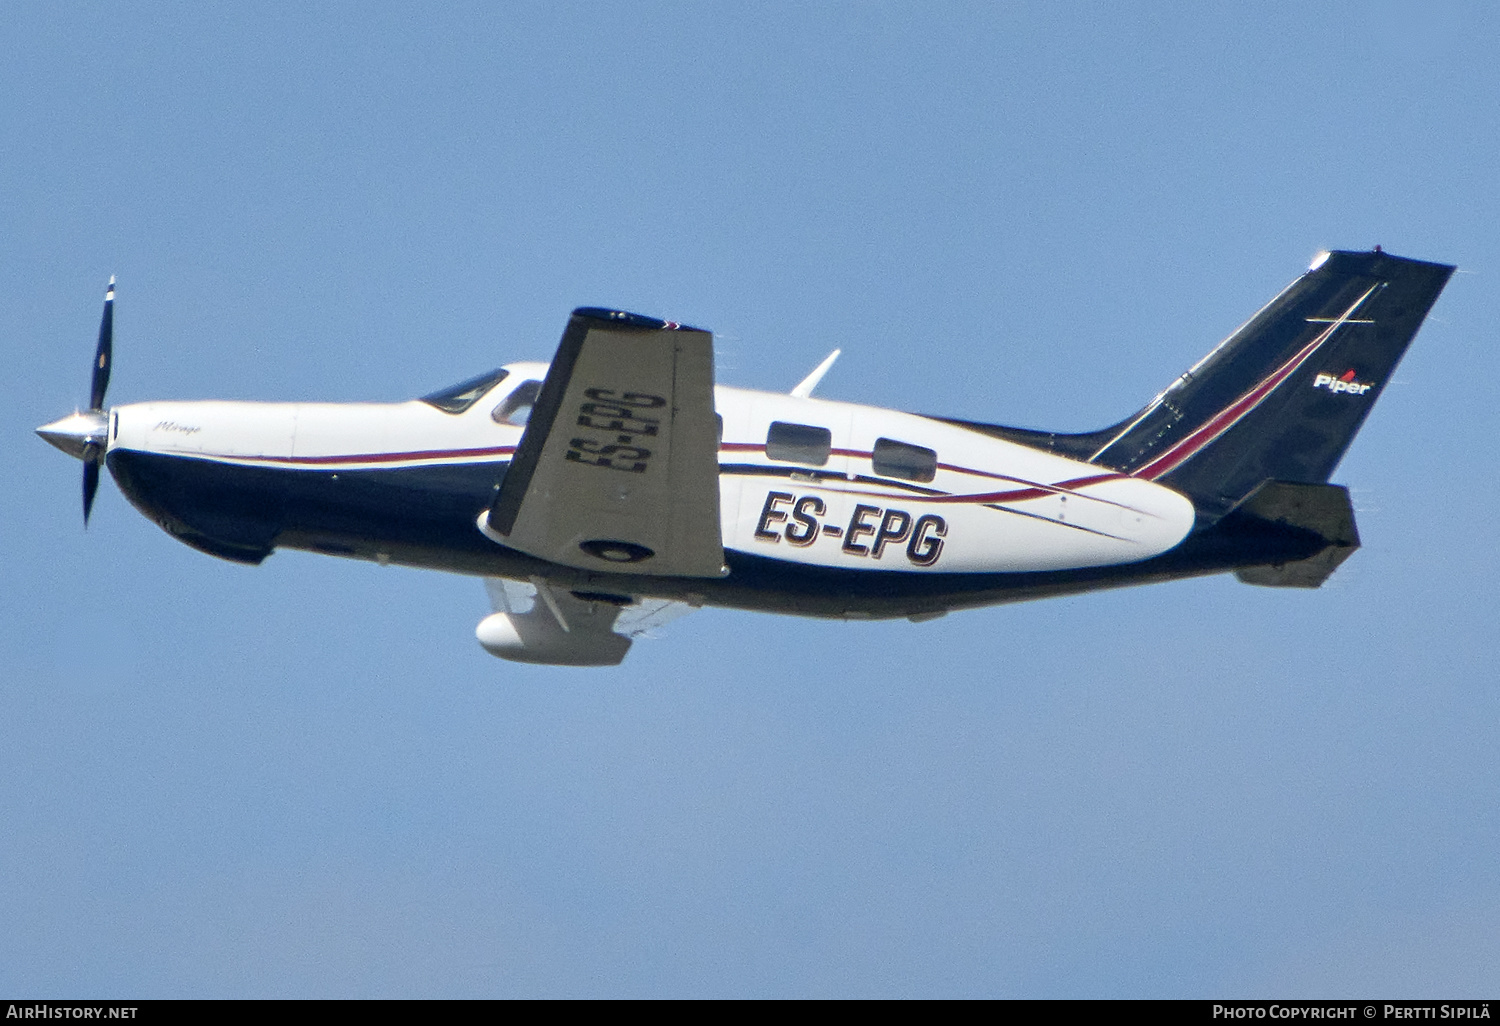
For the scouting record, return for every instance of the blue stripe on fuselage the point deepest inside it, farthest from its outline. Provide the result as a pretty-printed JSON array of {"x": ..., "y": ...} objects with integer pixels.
[{"x": 425, "y": 516}]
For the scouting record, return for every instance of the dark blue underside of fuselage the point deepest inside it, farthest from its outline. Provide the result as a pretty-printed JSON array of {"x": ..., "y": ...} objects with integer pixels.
[{"x": 426, "y": 516}]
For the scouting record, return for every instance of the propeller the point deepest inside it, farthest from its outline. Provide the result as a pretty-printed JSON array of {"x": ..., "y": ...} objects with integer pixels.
[
  {"x": 85, "y": 434},
  {"x": 105, "y": 352},
  {"x": 90, "y": 488}
]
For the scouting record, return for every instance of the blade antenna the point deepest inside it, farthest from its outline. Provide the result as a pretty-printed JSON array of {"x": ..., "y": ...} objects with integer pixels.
[{"x": 806, "y": 385}]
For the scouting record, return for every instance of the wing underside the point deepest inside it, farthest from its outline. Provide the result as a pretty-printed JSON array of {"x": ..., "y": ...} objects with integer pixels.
[{"x": 618, "y": 467}]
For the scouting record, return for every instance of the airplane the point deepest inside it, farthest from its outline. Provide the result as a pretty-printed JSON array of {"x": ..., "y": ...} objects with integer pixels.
[{"x": 619, "y": 486}]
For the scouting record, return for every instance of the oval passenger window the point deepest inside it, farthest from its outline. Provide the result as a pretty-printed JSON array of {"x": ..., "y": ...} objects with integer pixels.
[
  {"x": 798, "y": 443},
  {"x": 903, "y": 460}
]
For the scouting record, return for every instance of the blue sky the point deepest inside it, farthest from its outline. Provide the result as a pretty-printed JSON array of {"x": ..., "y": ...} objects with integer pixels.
[{"x": 307, "y": 779}]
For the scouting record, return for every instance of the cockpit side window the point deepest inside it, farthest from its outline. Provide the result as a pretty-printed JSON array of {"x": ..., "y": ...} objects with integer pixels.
[
  {"x": 461, "y": 396},
  {"x": 798, "y": 443},
  {"x": 516, "y": 409}
]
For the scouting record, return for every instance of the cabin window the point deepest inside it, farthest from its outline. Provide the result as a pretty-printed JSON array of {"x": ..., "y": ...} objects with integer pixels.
[
  {"x": 516, "y": 409},
  {"x": 461, "y": 396},
  {"x": 798, "y": 443},
  {"x": 908, "y": 462}
]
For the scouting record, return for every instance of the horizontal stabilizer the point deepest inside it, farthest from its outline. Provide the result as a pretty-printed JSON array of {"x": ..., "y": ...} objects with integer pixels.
[{"x": 1322, "y": 510}]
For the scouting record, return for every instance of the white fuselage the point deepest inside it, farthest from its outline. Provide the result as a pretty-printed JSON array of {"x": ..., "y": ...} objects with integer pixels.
[{"x": 887, "y": 490}]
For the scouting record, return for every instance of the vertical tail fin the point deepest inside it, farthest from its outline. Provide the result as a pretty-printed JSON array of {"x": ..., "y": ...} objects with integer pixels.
[
  {"x": 1280, "y": 399},
  {"x": 1283, "y": 397}
]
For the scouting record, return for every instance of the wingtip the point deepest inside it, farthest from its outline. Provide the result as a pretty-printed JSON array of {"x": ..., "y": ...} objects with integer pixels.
[{"x": 634, "y": 321}]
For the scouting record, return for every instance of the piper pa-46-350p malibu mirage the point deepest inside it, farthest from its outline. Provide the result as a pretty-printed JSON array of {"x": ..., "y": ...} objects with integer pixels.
[{"x": 618, "y": 486}]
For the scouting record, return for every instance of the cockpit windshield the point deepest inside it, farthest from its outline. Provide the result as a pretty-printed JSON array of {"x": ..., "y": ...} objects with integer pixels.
[{"x": 459, "y": 397}]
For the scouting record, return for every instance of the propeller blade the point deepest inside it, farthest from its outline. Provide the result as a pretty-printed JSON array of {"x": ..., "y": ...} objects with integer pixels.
[
  {"x": 103, "y": 356},
  {"x": 90, "y": 487}
]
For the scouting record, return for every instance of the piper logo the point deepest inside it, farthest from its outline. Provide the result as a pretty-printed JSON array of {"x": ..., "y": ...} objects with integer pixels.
[{"x": 1343, "y": 383}]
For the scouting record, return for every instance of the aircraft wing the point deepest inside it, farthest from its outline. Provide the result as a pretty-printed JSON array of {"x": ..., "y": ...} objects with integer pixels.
[
  {"x": 618, "y": 469},
  {"x": 536, "y": 622}
]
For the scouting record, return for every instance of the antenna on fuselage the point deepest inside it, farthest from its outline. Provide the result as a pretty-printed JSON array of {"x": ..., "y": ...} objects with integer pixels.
[{"x": 806, "y": 385}]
